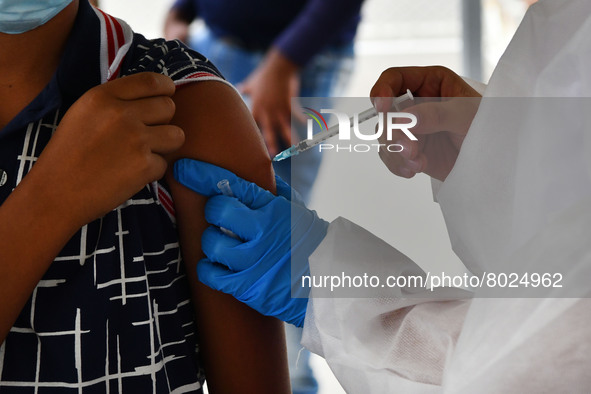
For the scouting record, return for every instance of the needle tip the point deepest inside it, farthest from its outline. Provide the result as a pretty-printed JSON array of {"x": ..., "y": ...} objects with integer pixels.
[{"x": 285, "y": 154}]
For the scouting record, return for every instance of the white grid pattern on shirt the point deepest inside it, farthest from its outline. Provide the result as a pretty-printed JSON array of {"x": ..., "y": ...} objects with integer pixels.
[
  {"x": 76, "y": 335},
  {"x": 29, "y": 154},
  {"x": 32, "y": 146}
]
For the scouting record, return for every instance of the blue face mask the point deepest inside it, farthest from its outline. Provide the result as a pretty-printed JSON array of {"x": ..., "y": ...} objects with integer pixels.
[{"x": 19, "y": 16}]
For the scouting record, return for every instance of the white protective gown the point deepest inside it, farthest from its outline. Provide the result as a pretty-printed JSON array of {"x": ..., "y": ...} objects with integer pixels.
[{"x": 519, "y": 197}]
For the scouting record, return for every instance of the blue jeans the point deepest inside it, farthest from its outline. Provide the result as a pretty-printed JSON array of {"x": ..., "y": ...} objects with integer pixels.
[{"x": 325, "y": 75}]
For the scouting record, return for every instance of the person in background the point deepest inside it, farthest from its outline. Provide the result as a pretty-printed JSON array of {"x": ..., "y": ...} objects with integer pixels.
[{"x": 273, "y": 51}]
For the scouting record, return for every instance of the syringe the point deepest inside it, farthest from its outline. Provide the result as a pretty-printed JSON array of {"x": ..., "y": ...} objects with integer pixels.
[
  {"x": 334, "y": 130},
  {"x": 224, "y": 187}
]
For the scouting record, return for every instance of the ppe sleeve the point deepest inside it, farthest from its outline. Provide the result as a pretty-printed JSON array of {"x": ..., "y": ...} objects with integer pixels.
[
  {"x": 480, "y": 87},
  {"x": 381, "y": 344}
]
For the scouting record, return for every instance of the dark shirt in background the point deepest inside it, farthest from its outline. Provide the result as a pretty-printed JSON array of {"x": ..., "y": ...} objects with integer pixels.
[{"x": 298, "y": 28}]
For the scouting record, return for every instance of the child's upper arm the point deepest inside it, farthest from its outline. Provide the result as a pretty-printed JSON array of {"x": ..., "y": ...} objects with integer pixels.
[{"x": 243, "y": 351}]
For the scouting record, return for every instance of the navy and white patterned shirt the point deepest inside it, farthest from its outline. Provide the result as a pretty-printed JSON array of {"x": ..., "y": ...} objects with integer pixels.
[{"x": 113, "y": 312}]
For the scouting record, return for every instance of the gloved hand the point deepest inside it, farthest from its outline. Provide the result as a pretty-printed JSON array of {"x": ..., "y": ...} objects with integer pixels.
[{"x": 275, "y": 234}]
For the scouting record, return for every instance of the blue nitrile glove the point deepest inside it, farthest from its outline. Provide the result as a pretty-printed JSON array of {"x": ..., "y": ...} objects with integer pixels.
[{"x": 274, "y": 233}]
